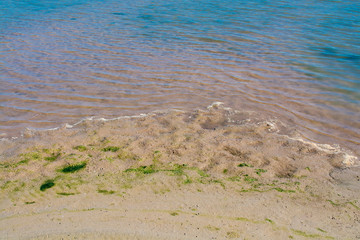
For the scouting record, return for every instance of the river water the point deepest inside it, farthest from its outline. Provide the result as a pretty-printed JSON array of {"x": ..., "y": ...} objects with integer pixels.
[{"x": 296, "y": 61}]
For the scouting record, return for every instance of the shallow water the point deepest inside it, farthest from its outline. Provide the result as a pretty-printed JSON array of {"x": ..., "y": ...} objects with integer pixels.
[{"x": 61, "y": 61}]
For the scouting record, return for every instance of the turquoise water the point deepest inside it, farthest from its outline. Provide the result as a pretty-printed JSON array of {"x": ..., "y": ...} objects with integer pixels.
[{"x": 298, "y": 61}]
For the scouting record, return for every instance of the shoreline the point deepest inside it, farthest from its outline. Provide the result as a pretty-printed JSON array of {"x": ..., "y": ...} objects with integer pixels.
[{"x": 209, "y": 174}]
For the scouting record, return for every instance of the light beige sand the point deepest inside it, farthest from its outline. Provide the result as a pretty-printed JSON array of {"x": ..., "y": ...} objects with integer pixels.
[{"x": 214, "y": 174}]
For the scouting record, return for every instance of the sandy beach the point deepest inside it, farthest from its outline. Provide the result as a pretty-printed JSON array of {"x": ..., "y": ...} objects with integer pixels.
[{"x": 214, "y": 173}]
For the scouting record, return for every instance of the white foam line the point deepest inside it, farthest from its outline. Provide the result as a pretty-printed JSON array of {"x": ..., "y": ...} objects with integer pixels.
[
  {"x": 215, "y": 104},
  {"x": 39, "y": 130},
  {"x": 349, "y": 160},
  {"x": 123, "y": 117},
  {"x": 141, "y": 115},
  {"x": 67, "y": 125}
]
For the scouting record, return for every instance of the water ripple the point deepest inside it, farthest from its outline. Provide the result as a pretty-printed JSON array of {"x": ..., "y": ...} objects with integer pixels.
[{"x": 298, "y": 61}]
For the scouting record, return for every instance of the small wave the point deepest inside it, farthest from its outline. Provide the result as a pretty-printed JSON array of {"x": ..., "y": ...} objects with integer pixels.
[{"x": 216, "y": 118}]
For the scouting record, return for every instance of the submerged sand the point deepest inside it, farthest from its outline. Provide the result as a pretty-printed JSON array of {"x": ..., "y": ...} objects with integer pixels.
[{"x": 207, "y": 174}]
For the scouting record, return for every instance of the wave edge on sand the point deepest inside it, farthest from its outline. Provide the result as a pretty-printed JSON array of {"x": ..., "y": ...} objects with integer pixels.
[{"x": 219, "y": 170}]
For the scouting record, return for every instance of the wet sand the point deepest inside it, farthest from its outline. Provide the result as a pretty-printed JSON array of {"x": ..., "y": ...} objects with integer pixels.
[{"x": 215, "y": 173}]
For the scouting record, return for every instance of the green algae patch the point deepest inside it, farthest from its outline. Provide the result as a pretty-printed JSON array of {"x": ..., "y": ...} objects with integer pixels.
[
  {"x": 80, "y": 148},
  {"x": 106, "y": 192},
  {"x": 232, "y": 235},
  {"x": 123, "y": 155},
  {"x": 343, "y": 204},
  {"x": 245, "y": 165},
  {"x": 249, "y": 179},
  {"x": 309, "y": 235},
  {"x": 218, "y": 182},
  {"x": 5, "y": 165},
  {"x": 234, "y": 179},
  {"x": 14, "y": 165},
  {"x": 28, "y": 203},
  {"x": 178, "y": 169},
  {"x": 73, "y": 168},
  {"x": 143, "y": 169},
  {"x": 25, "y": 161},
  {"x": 47, "y": 184},
  {"x": 283, "y": 190},
  {"x": 187, "y": 181},
  {"x": 65, "y": 194},
  {"x": 156, "y": 156},
  {"x": 202, "y": 173},
  {"x": 243, "y": 219},
  {"x": 110, "y": 149},
  {"x": 53, "y": 157},
  {"x": 269, "y": 220},
  {"x": 174, "y": 213},
  {"x": 212, "y": 228},
  {"x": 110, "y": 159},
  {"x": 260, "y": 171},
  {"x": 31, "y": 156}
]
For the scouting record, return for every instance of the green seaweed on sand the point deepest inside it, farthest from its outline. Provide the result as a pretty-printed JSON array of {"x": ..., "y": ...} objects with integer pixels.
[
  {"x": 28, "y": 203},
  {"x": 156, "y": 156},
  {"x": 25, "y": 161},
  {"x": 234, "y": 179},
  {"x": 45, "y": 150},
  {"x": 14, "y": 165},
  {"x": 110, "y": 149},
  {"x": 174, "y": 213},
  {"x": 123, "y": 155},
  {"x": 259, "y": 171},
  {"x": 202, "y": 173},
  {"x": 283, "y": 190},
  {"x": 269, "y": 220},
  {"x": 212, "y": 228},
  {"x": 35, "y": 156},
  {"x": 80, "y": 148},
  {"x": 178, "y": 169},
  {"x": 143, "y": 169},
  {"x": 5, "y": 165},
  {"x": 245, "y": 165},
  {"x": 53, "y": 157},
  {"x": 110, "y": 159},
  {"x": 309, "y": 235},
  {"x": 31, "y": 156},
  {"x": 26, "y": 158},
  {"x": 343, "y": 204},
  {"x": 106, "y": 192},
  {"x": 47, "y": 184},
  {"x": 65, "y": 193},
  {"x": 187, "y": 180},
  {"x": 232, "y": 235},
  {"x": 249, "y": 179},
  {"x": 73, "y": 168},
  {"x": 218, "y": 181}
]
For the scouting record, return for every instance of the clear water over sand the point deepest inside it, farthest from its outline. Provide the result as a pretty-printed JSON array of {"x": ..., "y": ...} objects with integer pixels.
[{"x": 61, "y": 61}]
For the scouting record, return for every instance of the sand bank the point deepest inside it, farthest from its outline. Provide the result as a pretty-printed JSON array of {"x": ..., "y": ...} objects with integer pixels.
[{"x": 208, "y": 174}]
